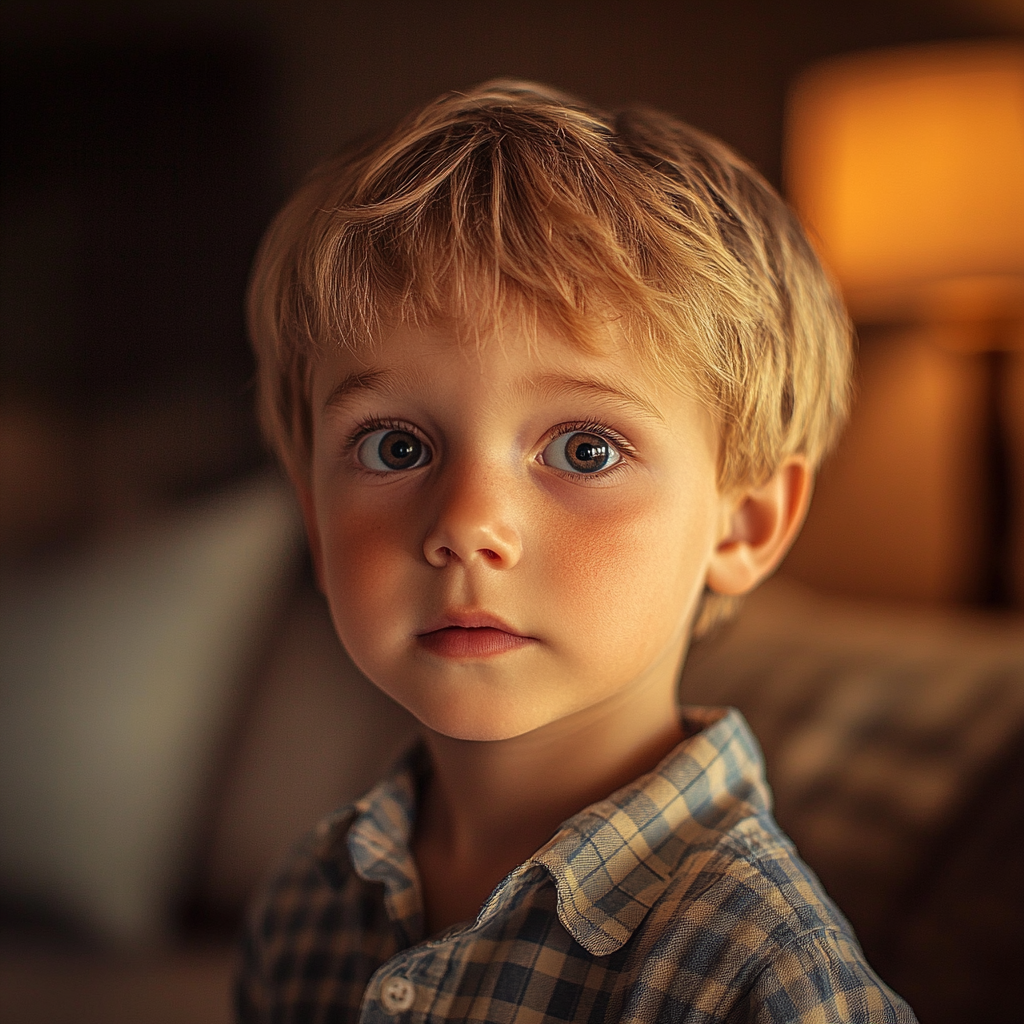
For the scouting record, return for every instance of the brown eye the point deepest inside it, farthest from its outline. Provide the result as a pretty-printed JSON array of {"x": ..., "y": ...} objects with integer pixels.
[
  {"x": 581, "y": 452},
  {"x": 388, "y": 451}
]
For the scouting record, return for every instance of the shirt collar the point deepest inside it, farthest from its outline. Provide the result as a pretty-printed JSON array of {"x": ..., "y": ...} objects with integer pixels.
[
  {"x": 376, "y": 834},
  {"x": 613, "y": 860},
  {"x": 610, "y": 863}
]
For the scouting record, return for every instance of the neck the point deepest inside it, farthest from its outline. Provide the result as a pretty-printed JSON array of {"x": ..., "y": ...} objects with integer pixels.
[
  {"x": 491, "y": 804},
  {"x": 511, "y": 795}
]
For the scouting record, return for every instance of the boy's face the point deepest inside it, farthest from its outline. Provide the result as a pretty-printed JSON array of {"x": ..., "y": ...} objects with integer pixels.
[{"x": 513, "y": 534}]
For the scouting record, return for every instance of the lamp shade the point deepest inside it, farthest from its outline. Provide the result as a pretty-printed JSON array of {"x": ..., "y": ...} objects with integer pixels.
[{"x": 908, "y": 165}]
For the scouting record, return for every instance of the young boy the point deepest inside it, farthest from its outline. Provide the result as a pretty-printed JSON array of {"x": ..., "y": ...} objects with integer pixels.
[{"x": 551, "y": 385}]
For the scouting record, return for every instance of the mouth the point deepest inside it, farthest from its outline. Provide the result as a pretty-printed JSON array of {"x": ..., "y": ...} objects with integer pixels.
[{"x": 472, "y": 635}]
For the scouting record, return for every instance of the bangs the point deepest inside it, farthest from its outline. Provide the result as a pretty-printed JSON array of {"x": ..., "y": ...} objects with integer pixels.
[{"x": 514, "y": 214}]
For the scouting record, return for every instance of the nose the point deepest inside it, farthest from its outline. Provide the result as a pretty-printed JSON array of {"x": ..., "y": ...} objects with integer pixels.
[{"x": 474, "y": 522}]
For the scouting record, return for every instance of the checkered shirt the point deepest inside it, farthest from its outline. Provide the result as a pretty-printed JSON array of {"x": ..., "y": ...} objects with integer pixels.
[{"x": 676, "y": 899}]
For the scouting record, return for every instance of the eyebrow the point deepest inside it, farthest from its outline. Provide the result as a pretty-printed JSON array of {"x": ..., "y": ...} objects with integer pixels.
[
  {"x": 557, "y": 385},
  {"x": 362, "y": 380},
  {"x": 553, "y": 384}
]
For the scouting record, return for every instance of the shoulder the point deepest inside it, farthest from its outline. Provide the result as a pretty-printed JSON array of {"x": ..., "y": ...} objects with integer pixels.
[
  {"x": 309, "y": 923},
  {"x": 746, "y": 930},
  {"x": 301, "y": 885},
  {"x": 337, "y": 909},
  {"x": 289, "y": 902},
  {"x": 821, "y": 974}
]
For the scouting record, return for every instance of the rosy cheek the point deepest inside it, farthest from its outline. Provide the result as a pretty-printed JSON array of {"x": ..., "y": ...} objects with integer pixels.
[
  {"x": 625, "y": 560},
  {"x": 585, "y": 552},
  {"x": 359, "y": 557}
]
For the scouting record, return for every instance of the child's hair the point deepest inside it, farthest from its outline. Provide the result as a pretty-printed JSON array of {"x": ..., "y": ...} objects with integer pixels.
[{"x": 513, "y": 201}]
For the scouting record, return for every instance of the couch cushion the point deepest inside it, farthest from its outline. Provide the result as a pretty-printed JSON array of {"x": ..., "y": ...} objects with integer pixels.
[{"x": 890, "y": 736}]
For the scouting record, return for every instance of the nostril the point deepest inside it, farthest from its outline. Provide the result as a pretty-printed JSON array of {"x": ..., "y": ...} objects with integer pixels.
[{"x": 489, "y": 554}]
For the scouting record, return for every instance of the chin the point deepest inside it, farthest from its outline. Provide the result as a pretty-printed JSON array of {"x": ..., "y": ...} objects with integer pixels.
[{"x": 488, "y": 724}]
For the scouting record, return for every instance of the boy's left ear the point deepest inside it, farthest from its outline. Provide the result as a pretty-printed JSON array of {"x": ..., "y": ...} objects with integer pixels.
[{"x": 758, "y": 526}]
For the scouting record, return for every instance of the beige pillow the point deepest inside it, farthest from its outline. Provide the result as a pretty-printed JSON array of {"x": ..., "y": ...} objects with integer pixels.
[{"x": 117, "y": 676}]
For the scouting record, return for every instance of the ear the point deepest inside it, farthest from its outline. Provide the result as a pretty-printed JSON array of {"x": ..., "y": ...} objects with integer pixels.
[
  {"x": 304, "y": 492},
  {"x": 758, "y": 526}
]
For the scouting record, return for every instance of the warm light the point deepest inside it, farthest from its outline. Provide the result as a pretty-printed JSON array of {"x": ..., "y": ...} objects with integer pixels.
[{"x": 909, "y": 167}]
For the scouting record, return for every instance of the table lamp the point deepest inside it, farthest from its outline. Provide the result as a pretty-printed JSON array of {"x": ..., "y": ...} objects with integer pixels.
[{"x": 908, "y": 167}]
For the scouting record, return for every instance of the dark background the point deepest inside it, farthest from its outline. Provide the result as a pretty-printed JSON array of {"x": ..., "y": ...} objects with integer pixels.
[{"x": 145, "y": 146}]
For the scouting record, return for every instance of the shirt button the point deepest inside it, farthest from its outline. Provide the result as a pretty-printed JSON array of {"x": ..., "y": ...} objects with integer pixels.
[{"x": 397, "y": 994}]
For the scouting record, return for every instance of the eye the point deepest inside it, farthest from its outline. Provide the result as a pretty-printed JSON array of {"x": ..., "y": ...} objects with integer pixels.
[
  {"x": 388, "y": 451},
  {"x": 579, "y": 451}
]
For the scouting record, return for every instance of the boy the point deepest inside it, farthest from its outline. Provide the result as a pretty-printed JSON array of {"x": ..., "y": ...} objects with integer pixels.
[{"x": 550, "y": 385}]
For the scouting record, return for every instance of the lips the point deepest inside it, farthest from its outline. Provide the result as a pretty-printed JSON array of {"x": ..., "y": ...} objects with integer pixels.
[{"x": 472, "y": 635}]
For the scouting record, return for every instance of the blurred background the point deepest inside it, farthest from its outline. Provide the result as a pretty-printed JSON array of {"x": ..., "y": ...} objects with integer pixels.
[{"x": 174, "y": 710}]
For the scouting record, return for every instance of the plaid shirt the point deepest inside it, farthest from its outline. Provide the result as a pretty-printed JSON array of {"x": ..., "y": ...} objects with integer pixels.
[{"x": 676, "y": 899}]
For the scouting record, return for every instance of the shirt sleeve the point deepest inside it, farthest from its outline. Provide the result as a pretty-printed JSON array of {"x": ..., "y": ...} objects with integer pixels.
[
  {"x": 821, "y": 978},
  {"x": 250, "y": 996}
]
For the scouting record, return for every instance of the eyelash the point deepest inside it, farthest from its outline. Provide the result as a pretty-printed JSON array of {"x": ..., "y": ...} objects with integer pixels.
[
  {"x": 376, "y": 423},
  {"x": 368, "y": 427},
  {"x": 627, "y": 451}
]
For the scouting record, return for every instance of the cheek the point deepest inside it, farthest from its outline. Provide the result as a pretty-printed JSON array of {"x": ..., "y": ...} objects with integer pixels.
[
  {"x": 362, "y": 555},
  {"x": 632, "y": 564}
]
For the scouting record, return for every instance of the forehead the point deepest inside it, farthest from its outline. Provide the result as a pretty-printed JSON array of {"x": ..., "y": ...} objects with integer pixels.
[
  {"x": 526, "y": 356},
  {"x": 467, "y": 376}
]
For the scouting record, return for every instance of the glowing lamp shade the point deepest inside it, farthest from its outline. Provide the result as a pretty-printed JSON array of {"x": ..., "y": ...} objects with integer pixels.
[{"x": 908, "y": 166}]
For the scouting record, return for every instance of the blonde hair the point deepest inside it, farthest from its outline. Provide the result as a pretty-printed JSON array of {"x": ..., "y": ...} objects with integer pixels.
[{"x": 513, "y": 200}]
